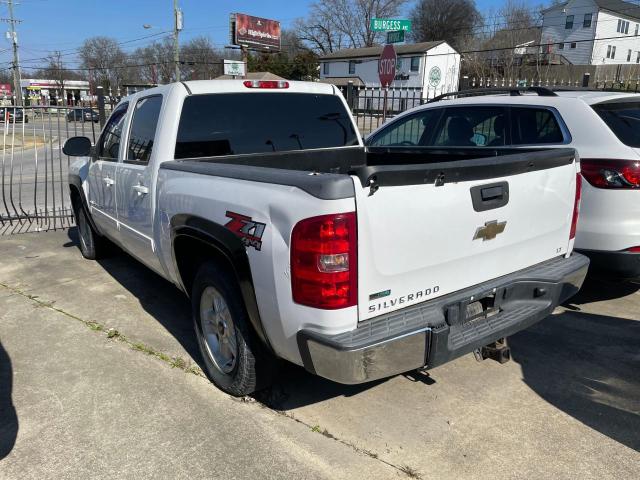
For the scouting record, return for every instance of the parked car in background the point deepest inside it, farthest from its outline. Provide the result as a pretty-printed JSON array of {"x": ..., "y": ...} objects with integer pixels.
[
  {"x": 604, "y": 128},
  {"x": 83, "y": 115},
  {"x": 13, "y": 115}
]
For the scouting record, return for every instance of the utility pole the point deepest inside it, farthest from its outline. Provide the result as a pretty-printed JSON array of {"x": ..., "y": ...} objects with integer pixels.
[
  {"x": 177, "y": 26},
  {"x": 16, "y": 62},
  {"x": 244, "y": 51}
]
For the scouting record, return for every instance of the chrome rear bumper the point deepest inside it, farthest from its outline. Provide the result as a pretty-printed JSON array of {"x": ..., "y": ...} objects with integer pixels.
[{"x": 434, "y": 332}]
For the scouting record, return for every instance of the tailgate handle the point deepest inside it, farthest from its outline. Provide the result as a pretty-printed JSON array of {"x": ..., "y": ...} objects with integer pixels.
[
  {"x": 491, "y": 193},
  {"x": 490, "y": 196}
]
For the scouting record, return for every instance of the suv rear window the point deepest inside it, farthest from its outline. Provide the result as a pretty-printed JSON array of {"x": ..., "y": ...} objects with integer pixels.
[
  {"x": 623, "y": 118},
  {"x": 242, "y": 123},
  {"x": 533, "y": 126}
]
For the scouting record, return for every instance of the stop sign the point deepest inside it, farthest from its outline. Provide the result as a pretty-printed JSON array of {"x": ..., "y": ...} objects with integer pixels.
[{"x": 387, "y": 65}]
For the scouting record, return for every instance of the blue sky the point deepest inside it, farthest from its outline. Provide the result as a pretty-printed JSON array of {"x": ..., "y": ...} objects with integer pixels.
[{"x": 63, "y": 24}]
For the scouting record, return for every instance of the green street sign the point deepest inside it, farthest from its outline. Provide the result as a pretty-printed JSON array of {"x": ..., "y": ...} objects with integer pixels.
[
  {"x": 395, "y": 37},
  {"x": 384, "y": 24}
]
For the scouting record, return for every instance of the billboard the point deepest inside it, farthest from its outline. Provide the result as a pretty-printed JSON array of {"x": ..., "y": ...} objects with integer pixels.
[
  {"x": 255, "y": 32},
  {"x": 5, "y": 90}
]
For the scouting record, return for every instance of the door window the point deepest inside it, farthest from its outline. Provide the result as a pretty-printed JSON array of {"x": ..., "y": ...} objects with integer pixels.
[
  {"x": 472, "y": 127},
  {"x": 415, "y": 130},
  {"x": 109, "y": 145},
  {"x": 143, "y": 129},
  {"x": 532, "y": 126}
]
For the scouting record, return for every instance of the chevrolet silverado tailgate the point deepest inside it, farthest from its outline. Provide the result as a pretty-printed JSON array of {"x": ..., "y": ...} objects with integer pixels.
[{"x": 426, "y": 230}]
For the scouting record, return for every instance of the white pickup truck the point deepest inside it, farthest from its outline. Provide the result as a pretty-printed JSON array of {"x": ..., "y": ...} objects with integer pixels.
[{"x": 259, "y": 201}]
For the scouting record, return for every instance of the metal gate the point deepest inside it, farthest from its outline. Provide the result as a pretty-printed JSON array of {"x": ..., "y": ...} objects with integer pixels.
[{"x": 34, "y": 171}]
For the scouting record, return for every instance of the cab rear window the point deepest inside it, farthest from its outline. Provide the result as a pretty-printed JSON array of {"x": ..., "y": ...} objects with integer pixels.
[
  {"x": 623, "y": 118},
  {"x": 243, "y": 123}
]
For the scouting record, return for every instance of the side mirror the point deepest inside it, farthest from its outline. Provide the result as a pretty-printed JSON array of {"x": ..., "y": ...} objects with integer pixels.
[{"x": 77, "y": 147}]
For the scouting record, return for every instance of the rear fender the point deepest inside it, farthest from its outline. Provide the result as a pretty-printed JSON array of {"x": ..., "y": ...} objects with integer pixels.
[{"x": 227, "y": 246}]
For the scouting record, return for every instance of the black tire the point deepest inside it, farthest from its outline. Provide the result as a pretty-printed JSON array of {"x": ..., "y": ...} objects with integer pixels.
[
  {"x": 253, "y": 365},
  {"x": 92, "y": 245}
]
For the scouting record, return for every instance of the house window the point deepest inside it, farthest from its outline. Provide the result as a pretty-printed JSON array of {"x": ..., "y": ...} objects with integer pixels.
[
  {"x": 569, "y": 24},
  {"x": 637, "y": 28},
  {"x": 561, "y": 46},
  {"x": 623, "y": 26},
  {"x": 352, "y": 67},
  {"x": 325, "y": 68},
  {"x": 613, "y": 52},
  {"x": 415, "y": 64},
  {"x": 573, "y": 45},
  {"x": 587, "y": 20},
  {"x": 629, "y": 56},
  {"x": 609, "y": 51},
  {"x": 638, "y": 58}
]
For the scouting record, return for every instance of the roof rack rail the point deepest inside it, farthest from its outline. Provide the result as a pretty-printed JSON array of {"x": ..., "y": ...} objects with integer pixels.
[{"x": 513, "y": 91}]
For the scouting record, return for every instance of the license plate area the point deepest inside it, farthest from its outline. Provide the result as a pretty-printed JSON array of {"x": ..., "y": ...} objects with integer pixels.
[{"x": 476, "y": 307}]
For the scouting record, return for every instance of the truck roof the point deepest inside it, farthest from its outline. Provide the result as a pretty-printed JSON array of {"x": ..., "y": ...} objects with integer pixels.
[{"x": 198, "y": 87}]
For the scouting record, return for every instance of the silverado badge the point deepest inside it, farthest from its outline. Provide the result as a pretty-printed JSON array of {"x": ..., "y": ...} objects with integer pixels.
[{"x": 490, "y": 230}]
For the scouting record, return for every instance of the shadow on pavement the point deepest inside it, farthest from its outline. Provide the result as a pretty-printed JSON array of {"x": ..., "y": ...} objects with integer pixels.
[
  {"x": 584, "y": 364},
  {"x": 588, "y": 366},
  {"x": 599, "y": 288},
  {"x": 161, "y": 299},
  {"x": 8, "y": 416}
]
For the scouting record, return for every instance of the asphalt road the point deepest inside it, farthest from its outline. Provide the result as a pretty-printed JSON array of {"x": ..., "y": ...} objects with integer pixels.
[{"x": 134, "y": 405}]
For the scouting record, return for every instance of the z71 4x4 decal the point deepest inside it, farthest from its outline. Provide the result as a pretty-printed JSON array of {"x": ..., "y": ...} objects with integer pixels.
[{"x": 249, "y": 231}]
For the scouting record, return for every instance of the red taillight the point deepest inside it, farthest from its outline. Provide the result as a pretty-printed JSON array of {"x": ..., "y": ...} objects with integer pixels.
[
  {"x": 576, "y": 207},
  {"x": 324, "y": 261},
  {"x": 266, "y": 84},
  {"x": 611, "y": 173},
  {"x": 634, "y": 249}
]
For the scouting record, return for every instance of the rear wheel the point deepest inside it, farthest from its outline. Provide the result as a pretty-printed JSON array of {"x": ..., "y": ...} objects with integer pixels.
[
  {"x": 92, "y": 246},
  {"x": 234, "y": 358}
]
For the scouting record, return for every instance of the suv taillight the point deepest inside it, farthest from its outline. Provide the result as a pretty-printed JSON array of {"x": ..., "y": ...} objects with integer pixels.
[
  {"x": 611, "y": 173},
  {"x": 576, "y": 207},
  {"x": 324, "y": 261}
]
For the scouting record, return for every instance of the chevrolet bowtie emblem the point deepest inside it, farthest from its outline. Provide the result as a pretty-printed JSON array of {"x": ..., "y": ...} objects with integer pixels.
[{"x": 490, "y": 230}]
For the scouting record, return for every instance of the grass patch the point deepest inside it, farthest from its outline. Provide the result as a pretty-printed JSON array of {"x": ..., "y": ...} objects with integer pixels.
[
  {"x": 113, "y": 334},
  {"x": 409, "y": 472}
]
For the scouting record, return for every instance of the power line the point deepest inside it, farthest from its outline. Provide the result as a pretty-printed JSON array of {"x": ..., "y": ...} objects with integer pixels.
[{"x": 117, "y": 67}]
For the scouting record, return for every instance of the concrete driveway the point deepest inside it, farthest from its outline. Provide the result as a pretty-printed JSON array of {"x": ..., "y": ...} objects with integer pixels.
[{"x": 99, "y": 377}]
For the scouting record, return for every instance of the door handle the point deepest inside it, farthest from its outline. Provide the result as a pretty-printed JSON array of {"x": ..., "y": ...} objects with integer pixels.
[
  {"x": 108, "y": 181},
  {"x": 141, "y": 189}
]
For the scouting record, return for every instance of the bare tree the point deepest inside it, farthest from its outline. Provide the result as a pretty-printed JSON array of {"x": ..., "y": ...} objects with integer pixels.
[
  {"x": 152, "y": 64},
  {"x": 453, "y": 21},
  {"x": 336, "y": 24},
  {"x": 105, "y": 60},
  {"x": 517, "y": 28},
  {"x": 201, "y": 61}
]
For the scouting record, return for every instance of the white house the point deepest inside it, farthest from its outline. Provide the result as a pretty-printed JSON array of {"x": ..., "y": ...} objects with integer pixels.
[
  {"x": 593, "y": 32},
  {"x": 432, "y": 67}
]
